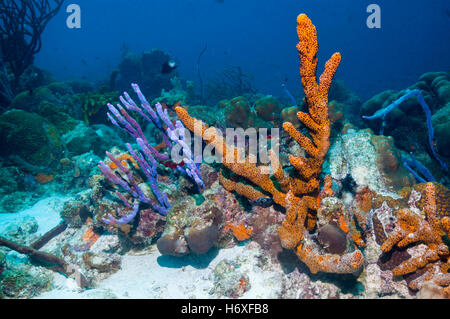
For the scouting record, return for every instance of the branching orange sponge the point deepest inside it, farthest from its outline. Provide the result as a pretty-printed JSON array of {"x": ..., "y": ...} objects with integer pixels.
[
  {"x": 298, "y": 193},
  {"x": 307, "y": 184},
  {"x": 413, "y": 228}
]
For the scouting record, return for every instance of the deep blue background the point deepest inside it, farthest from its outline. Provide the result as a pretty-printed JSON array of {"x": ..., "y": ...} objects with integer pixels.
[{"x": 258, "y": 35}]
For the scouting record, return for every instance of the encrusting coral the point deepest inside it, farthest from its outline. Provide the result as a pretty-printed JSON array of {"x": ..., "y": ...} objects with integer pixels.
[{"x": 299, "y": 193}]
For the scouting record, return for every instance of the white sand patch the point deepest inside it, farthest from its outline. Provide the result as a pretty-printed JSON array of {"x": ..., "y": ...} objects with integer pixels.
[
  {"x": 46, "y": 212},
  {"x": 150, "y": 275}
]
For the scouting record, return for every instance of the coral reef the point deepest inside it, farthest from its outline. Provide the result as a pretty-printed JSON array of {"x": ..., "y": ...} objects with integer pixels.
[
  {"x": 121, "y": 173},
  {"x": 92, "y": 103},
  {"x": 242, "y": 112},
  {"x": 268, "y": 108},
  {"x": 193, "y": 227},
  {"x": 21, "y": 26},
  {"x": 30, "y": 137},
  {"x": 57, "y": 93},
  {"x": 404, "y": 235},
  {"x": 289, "y": 114},
  {"x": 369, "y": 160},
  {"x": 385, "y": 111},
  {"x": 237, "y": 111},
  {"x": 417, "y": 169},
  {"x": 181, "y": 93},
  {"x": 299, "y": 194},
  {"x": 228, "y": 84},
  {"x": 406, "y": 122},
  {"x": 441, "y": 122},
  {"x": 228, "y": 282},
  {"x": 325, "y": 209},
  {"x": 25, "y": 184},
  {"x": 22, "y": 283},
  {"x": 429, "y": 229},
  {"x": 146, "y": 69}
]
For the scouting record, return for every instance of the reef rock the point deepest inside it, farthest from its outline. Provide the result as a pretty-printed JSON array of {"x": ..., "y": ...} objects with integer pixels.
[
  {"x": 441, "y": 124},
  {"x": 83, "y": 139},
  {"x": 369, "y": 160},
  {"x": 190, "y": 228},
  {"x": 31, "y": 138},
  {"x": 407, "y": 123}
]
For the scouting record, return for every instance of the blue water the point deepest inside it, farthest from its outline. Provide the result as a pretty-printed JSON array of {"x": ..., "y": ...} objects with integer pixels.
[{"x": 257, "y": 35}]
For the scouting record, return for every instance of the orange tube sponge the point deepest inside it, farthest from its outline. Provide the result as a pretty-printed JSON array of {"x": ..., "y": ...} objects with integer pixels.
[
  {"x": 445, "y": 222},
  {"x": 299, "y": 193},
  {"x": 327, "y": 190},
  {"x": 90, "y": 236},
  {"x": 241, "y": 232},
  {"x": 240, "y": 188},
  {"x": 307, "y": 47},
  {"x": 413, "y": 228},
  {"x": 331, "y": 263},
  {"x": 123, "y": 159},
  {"x": 257, "y": 175},
  {"x": 318, "y": 123}
]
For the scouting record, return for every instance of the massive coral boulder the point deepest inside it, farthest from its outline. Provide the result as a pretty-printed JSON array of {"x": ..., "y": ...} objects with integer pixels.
[
  {"x": 237, "y": 111},
  {"x": 191, "y": 228},
  {"x": 146, "y": 69},
  {"x": 241, "y": 112},
  {"x": 369, "y": 160},
  {"x": 58, "y": 93},
  {"x": 83, "y": 139},
  {"x": 435, "y": 88},
  {"x": 31, "y": 138},
  {"x": 61, "y": 120},
  {"x": 289, "y": 114},
  {"x": 268, "y": 108},
  {"x": 390, "y": 164},
  {"x": 30, "y": 101},
  {"x": 407, "y": 123},
  {"x": 441, "y": 123},
  {"x": 350, "y": 102}
]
